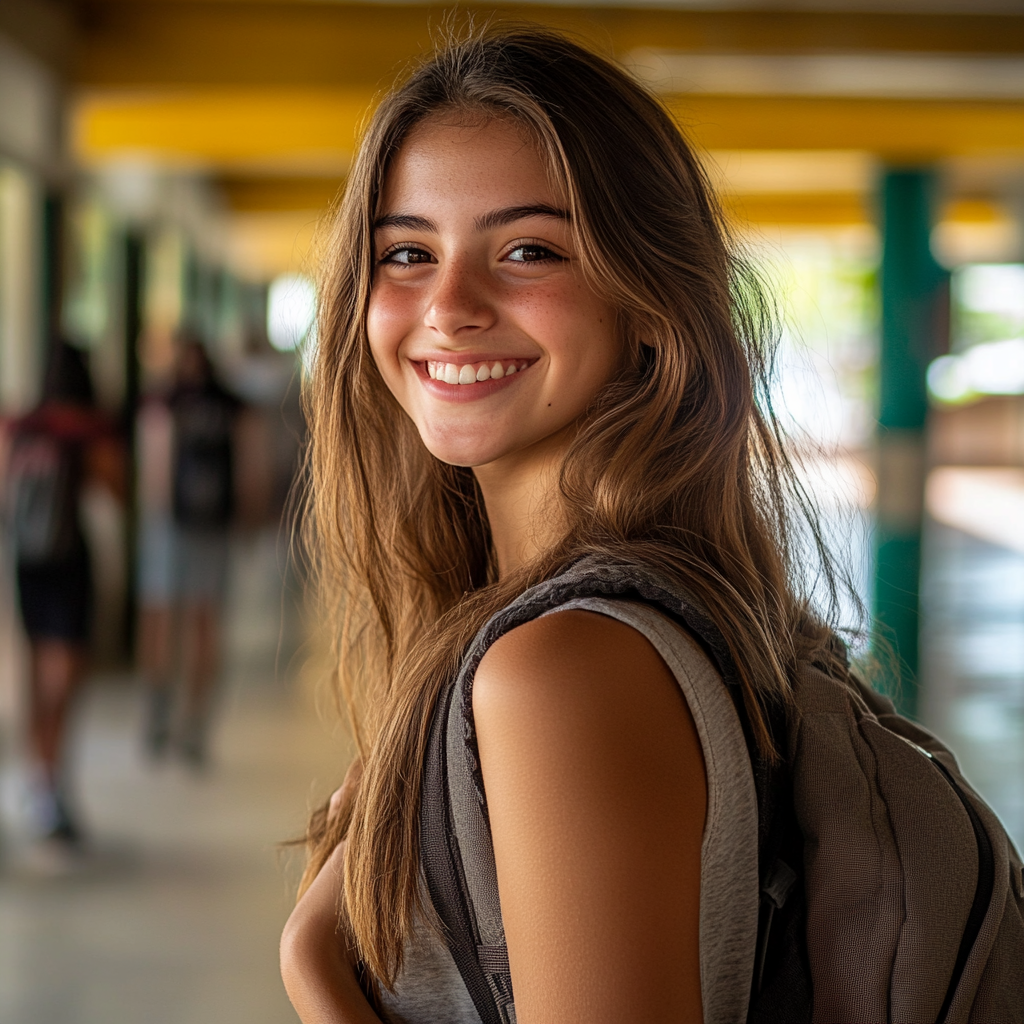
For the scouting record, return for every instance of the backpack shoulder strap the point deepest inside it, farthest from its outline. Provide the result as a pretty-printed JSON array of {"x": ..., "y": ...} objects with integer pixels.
[
  {"x": 441, "y": 856},
  {"x": 456, "y": 853}
]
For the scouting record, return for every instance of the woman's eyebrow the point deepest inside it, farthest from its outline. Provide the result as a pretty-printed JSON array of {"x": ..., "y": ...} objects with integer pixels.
[
  {"x": 494, "y": 219},
  {"x": 405, "y": 220},
  {"x": 499, "y": 218}
]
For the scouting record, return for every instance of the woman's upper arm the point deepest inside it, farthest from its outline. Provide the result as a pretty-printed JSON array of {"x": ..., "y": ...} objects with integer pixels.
[{"x": 597, "y": 795}]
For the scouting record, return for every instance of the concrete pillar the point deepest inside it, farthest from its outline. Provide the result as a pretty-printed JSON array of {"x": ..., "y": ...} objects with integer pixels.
[{"x": 914, "y": 294}]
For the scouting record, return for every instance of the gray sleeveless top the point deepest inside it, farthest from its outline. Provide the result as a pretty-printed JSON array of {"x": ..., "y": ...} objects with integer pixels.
[{"x": 430, "y": 989}]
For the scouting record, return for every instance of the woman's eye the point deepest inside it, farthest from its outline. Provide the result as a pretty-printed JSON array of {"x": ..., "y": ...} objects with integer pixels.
[
  {"x": 407, "y": 256},
  {"x": 532, "y": 254}
]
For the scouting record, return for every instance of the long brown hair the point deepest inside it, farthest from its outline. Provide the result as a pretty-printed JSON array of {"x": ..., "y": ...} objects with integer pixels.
[{"x": 678, "y": 463}]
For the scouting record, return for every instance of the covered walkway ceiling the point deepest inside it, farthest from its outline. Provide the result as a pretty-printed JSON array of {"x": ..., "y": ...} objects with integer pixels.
[
  {"x": 224, "y": 82},
  {"x": 796, "y": 107}
]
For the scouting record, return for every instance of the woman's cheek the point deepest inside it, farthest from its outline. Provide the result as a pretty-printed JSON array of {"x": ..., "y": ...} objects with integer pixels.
[{"x": 386, "y": 326}]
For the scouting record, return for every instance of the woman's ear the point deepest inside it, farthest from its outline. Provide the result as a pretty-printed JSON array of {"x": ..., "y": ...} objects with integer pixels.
[
  {"x": 636, "y": 330},
  {"x": 640, "y": 348}
]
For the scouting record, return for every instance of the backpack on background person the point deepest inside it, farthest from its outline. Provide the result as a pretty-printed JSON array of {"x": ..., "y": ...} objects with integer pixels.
[
  {"x": 42, "y": 497},
  {"x": 203, "y": 466},
  {"x": 202, "y": 471}
]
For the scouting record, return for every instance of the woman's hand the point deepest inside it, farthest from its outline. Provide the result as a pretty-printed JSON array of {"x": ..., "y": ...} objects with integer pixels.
[{"x": 318, "y": 970}]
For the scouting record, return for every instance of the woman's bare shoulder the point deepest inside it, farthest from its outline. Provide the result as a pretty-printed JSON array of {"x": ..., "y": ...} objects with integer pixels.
[
  {"x": 574, "y": 645},
  {"x": 573, "y": 675},
  {"x": 596, "y": 793},
  {"x": 579, "y": 678}
]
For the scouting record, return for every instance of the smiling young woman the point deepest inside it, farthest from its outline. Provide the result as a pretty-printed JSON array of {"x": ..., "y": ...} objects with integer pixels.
[
  {"x": 538, "y": 352},
  {"x": 481, "y": 320}
]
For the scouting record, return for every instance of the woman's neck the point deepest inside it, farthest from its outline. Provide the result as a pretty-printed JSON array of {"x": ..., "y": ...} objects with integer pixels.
[{"x": 520, "y": 493}]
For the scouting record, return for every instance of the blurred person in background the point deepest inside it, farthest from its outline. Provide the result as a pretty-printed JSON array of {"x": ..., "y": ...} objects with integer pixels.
[
  {"x": 52, "y": 453},
  {"x": 188, "y": 457},
  {"x": 154, "y": 439}
]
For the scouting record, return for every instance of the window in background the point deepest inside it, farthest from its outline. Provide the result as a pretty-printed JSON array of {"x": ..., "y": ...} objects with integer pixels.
[
  {"x": 825, "y": 392},
  {"x": 825, "y": 382},
  {"x": 987, "y": 335},
  {"x": 291, "y": 309}
]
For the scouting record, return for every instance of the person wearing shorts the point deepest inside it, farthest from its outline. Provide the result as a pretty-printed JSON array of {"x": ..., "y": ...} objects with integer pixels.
[
  {"x": 50, "y": 455},
  {"x": 187, "y": 496}
]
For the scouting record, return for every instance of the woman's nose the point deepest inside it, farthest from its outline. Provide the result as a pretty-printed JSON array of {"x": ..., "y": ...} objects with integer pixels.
[{"x": 459, "y": 301}]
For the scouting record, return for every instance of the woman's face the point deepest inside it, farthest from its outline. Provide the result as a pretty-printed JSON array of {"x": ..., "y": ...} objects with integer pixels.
[{"x": 480, "y": 319}]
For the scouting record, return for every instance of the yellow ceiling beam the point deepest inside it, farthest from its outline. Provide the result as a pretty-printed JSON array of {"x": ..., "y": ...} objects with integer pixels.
[
  {"x": 840, "y": 208},
  {"x": 260, "y": 194},
  {"x": 269, "y": 130},
  {"x": 796, "y": 208},
  {"x": 282, "y": 203},
  {"x": 136, "y": 43},
  {"x": 261, "y": 244},
  {"x": 313, "y": 131},
  {"x": 265, "y": 194},
  {"x": 973, "y": 211},
  {"x": 894, "y": 129}
]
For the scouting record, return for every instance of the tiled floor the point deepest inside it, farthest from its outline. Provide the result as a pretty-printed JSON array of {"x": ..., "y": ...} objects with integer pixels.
[
  {"x": 175, "y": 917},
  {"x": 973, "y": 646}
]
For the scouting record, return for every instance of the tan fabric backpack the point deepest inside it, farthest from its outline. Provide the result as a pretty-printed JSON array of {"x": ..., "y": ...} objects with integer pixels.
[{"x": 890, "y": 892}]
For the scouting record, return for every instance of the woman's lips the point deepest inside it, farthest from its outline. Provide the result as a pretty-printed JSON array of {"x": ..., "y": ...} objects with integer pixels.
[{"x": 478, "y": 379}]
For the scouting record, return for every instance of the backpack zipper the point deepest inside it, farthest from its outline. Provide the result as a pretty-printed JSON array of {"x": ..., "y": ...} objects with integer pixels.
[{"x": 777, "y": 886}]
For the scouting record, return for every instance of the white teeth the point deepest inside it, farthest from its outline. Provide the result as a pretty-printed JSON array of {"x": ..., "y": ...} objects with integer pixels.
[{"x": 450, "y": 373}]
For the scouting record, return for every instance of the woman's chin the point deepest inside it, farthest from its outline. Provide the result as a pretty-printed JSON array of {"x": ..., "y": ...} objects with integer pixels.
[
  {"x": 457, "y": 443},
  {"x": 465, "y": 450},
  {"x": 467, "y": 457}
]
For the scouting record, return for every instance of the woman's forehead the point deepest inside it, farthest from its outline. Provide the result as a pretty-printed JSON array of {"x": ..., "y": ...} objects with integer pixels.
[
  {"x": 468, "y": 155},
  {"x": 468, "y": 122}
]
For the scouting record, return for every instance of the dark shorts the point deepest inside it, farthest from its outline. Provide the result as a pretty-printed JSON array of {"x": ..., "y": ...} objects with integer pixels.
[{"x": 56, "y": 598}]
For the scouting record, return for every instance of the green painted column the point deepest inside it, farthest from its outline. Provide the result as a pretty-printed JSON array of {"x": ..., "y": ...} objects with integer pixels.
[{"x": 914, "y": 298}]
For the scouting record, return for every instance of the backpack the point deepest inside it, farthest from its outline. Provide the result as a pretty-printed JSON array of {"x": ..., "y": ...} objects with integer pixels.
[
  {"x": 42, "y": 498},
  {"x": 203, "y": 465},
  {"x": 889, "y": 889}
]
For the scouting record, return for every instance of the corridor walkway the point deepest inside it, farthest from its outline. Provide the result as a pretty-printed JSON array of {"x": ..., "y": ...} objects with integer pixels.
[
  {"x": 973, "y": 660},
  {"x": 176, "y": 918}
]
